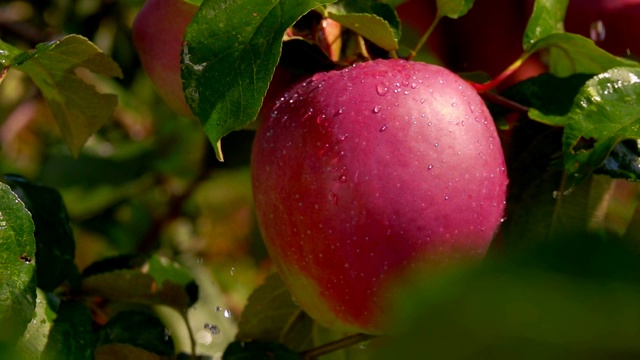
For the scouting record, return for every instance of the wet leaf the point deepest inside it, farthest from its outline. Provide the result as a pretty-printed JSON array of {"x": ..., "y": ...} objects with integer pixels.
[
  {"x": 229, "y": 58},
  {"x": 77, "y": 107},
  {"x": 17, "y": 267}
]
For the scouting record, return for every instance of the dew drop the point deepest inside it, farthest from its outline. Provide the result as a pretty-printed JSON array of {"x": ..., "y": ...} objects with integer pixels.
[
  {"x": 382, "y": 90},
  {"x": 377, "y": 109},
  {"x": 227, "y": 313},
  {"x": 430, "y": 166},
  {"x": 414, "y": 85},
  {"x": 436, "y": 144},
  {"x": 342, "y": 178},
  {"x": 383, "y": 128}
]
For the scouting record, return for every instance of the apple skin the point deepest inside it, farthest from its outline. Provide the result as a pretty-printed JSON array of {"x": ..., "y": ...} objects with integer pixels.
[
  {"x": 158, "y": 31},
  {"x": 365, "y": 174},
  {"x": 620, "y": 19}
]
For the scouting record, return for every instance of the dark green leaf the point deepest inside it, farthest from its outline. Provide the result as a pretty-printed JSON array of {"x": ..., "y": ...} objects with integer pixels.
[
  {"x": 55, "y": 68},
  {"x": 71, "y": 336},
  {"x": 572, "y": 298},
  {"x": 547, "y": 18},
  {"x": 158, "y": 282},
  {"x": 139, "y": 329},
  {"x": 230, "y": 55},
  {"x": 573, "y": 54},
  {"x": 375, "y": 21},
  {"x": 453, "y": 8},
  {"x": 54, "y": 238},
  {"x": 17, "y": 267},
  {"x": 271, "y": 315},
  {"x": 239, "y": 350}
]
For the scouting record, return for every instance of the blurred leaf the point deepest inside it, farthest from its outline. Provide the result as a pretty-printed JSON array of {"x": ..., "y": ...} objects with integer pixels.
[
  {"x": 158, "y": 282},
  {"x": 53, "y": 233},
  {"x": 34, "y": 339},
  {"x": 78, "y": 108},
  {"x": 138, "y": 329},
  {"x": 323, "y": 336},
  {"x": 375, "y": 21},
  {"x": 547, "y": 18},
  {"x": 71, "y": 336},
  {"x": 572, "y": 54},
  {"x": 120, "y": 262},
  {"x": 230, "y": 55},
  {"x": 623, "y": 162},
  {"x": 271, "y": 315},
  {"x": 574, "y": 297},
  {"x": 239, "y": 350},
  {"x": 453, "y": 8},
  {"x": 125, "y": 352},
  {"x": 7, "y": 52},
  {"x": 17, "y": 267}
]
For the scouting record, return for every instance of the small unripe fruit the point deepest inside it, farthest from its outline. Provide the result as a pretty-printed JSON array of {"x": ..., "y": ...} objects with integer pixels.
[{"x": 365, "y": 174}]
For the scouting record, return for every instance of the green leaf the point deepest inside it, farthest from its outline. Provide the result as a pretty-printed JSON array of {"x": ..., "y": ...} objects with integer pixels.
[
  {"x": 34, "y": 339},
  {"x": 229, "y": 58},
  {"x": 158, "y": 282},
  {"x": 271, "y": 315},
  {"x": 139, "y": 329},
  {"x": 453, "y": 8},
  {"x": 77, "y": 107},
  {"x": 571, "y": 298},
  {"x": 17, "y": 267},
  {"x": 7, "y": 52},
  {"x": 72, "y": 334},
  {"x": 547, "y": 18},
  {"x": 53, "y": 233},
  {"x": 605, "y": 113},
  {"x": 239, "y": 350},
  {"x": 375, "y": 21},
  {"x": 572, "y": 54}
]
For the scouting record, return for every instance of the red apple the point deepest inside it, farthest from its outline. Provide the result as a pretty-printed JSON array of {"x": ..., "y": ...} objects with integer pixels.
[
  {"x": 363, "y": 174},
  {"x": 613, "y": 24},
  {"x": 158, "y": 31}
]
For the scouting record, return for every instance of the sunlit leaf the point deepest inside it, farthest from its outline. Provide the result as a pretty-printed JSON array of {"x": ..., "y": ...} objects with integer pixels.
[
  {"x": 453, "y": 8},
  {"x": 572, "y": 54},
  {"x": 231, "y": 52},
  {"x": 17, "y": 267},
  {"x": 376, "y": 22},
  {"x": 56, "y": 68},
  {"x": 53, "y": 233}
]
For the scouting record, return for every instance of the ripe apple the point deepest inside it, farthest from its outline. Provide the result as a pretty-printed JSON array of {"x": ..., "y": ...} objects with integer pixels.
[
  {"x": 364, "y": 174},
  {"x": 158, "y": 31},
  {"x": 613, "y": 24}
]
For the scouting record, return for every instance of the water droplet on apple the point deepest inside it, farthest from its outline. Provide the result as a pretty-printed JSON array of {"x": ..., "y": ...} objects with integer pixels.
[
  {"x": 382, "y": 90},
  {"x": 430, "y": 166},
  {"x": 414, "y": 85},
  {"x": 376, "y": 109},
  {"x": 342, "y": 178},
  {"x": 383, "y": 128}
]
